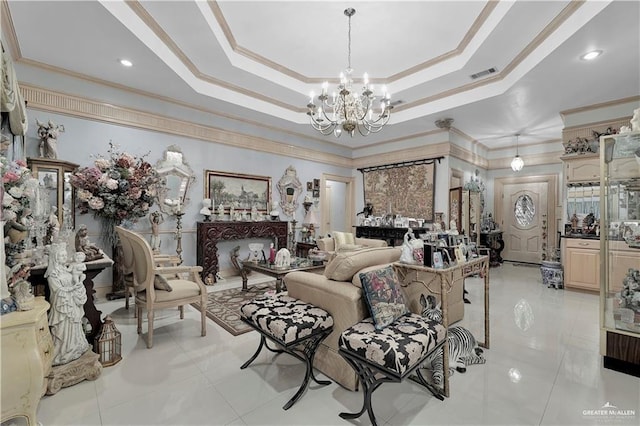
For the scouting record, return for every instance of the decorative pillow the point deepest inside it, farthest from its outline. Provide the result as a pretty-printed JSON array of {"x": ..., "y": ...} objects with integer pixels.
[
  {"x": 161, "y": 283},
  {"x": 342, "y": 238},
  {"x": 350, "y": 247},
  {"x": 384, "y": 296}
]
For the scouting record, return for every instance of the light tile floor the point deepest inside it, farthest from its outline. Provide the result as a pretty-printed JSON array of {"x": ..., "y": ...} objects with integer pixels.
[{"x": 543, "y": 368}]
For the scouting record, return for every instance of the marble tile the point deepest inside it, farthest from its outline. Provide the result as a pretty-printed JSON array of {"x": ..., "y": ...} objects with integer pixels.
[{"x": 543, "y": 367}]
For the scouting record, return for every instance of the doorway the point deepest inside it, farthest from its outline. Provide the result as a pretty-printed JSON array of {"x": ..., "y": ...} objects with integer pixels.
[
  {"x": 336, "y": 200},
  {"x": 525, "y": 209}
]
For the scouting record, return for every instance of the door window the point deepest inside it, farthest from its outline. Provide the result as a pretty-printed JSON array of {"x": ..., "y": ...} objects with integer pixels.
[{"x": 524, "y": 210}]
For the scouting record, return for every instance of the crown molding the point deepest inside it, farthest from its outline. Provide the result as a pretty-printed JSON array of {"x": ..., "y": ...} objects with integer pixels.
[{"x": 608, "y": 104}]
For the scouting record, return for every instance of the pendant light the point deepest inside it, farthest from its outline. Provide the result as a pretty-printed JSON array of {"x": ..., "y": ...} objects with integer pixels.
[{"x": 517, "y": 164}]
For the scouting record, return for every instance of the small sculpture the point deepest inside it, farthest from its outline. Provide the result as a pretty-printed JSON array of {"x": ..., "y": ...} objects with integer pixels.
[
  {"x": 48, "y": 134},
  {"x": 221, "y": 211},
  {"x": 53, "y": 226},
  {"x": 232, "y": 212},
  {"x": 463, "y": 348},
  {"x": 20, "y": 287},
  {"x": 630, "y": 293},
  {"x": 206, "y": 209},
  {"x": 65, "y": 316},
  {"x": 84, "y": 245},
  {"x": 255, "y": 216},
  {"x": 283, "y": 258},
  {"x": 77, "y": 268},
  {"x": 453, "y": 227},
  {"x": 274, "y": 213},
  {"x": 635, "y": 120},
  {"x": 155, "y": 219}
]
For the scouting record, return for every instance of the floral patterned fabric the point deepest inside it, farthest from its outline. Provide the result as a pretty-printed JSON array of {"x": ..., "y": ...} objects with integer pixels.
[
  {"x": 285, "y": 318},
  {"x": 398, "y": 347},
  {"x": 384, "y": 295}
]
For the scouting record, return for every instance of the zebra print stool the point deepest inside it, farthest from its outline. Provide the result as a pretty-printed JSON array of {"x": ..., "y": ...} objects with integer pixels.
[
  {"x": 390, "y": 354},
  {"x": 297, "y": 327}
]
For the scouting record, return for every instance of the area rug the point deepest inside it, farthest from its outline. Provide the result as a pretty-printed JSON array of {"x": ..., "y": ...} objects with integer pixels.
[{"x": 223, "y": 306}]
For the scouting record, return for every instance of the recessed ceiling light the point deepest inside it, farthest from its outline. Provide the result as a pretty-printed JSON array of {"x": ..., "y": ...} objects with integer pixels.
[
  {"x": 591, "y": 55},
  {"x": 126, "y": 63}
]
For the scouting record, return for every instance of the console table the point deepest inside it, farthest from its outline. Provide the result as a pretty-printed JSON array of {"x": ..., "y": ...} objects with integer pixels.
[
  {"x": 209, "y": 233},
  {"x": 389, "y": 234},
  {"x": 94, "y": 267}
]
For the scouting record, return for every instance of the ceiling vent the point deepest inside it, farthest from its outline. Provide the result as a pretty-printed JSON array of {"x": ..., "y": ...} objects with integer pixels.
[{"x": 483, "y": 73}]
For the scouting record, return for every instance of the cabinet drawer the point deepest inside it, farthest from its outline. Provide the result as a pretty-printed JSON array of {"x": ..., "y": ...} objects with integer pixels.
[{"x": 582, "y": 243}]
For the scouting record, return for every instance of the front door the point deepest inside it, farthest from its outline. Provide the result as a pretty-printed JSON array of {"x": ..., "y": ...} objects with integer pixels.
[{"x": 525, "y": 220}]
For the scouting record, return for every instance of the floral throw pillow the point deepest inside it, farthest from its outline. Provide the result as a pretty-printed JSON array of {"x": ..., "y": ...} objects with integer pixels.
[{"x": 384, "y": 296}]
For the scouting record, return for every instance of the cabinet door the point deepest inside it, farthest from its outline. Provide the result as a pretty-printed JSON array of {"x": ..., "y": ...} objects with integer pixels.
[
  {"x": 583, "y": 170},
  {"x": 582, "y": 269}
]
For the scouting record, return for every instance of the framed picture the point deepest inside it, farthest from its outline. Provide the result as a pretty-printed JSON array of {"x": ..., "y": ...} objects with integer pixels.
[
  {"x": 437, "y": 260},
  {"x": 316, "y": 184},
  {"x": 460, "y": 257},
  {"x": 316, "y": 193},
  {"x": 455, "y": 207},
  {"x": 239, "y": 190},
  {"x": 309, "y": 186}
]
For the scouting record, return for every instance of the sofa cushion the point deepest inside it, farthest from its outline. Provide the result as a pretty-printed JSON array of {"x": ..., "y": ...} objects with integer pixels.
[
  {"x": 350, "y": 247},
  {"x": 343, "y": 238},
  {"x": 383, "y": 295},
  {"x": 345, "y": 265}
]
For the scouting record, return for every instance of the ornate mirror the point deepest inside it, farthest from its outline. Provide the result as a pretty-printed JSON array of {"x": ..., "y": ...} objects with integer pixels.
[
  {"x": 176, "y": 178},
  {"x": 290, "y": 189}
]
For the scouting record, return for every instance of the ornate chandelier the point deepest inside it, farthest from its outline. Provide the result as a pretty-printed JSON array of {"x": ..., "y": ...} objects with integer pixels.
[{"x": 347, "y": 109}]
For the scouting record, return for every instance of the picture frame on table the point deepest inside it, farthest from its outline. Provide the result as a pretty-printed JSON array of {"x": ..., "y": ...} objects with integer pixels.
[
  {"x": 242, "y": 191},
  {"x": 438, "y": 263}
]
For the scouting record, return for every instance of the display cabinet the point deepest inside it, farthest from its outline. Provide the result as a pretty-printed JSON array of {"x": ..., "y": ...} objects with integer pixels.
[
  {"x": 620, "y": 252},
  {"x": 54, "y": 177}
]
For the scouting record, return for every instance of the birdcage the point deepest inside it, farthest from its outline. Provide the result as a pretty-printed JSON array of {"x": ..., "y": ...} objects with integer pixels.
[{"x": 108, "y": 344}]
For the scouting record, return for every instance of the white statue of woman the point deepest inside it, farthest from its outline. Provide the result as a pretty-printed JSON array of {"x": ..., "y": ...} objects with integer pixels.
[
  {"x": 65, "y": 316},
  {"x": 221, "y": 211}
]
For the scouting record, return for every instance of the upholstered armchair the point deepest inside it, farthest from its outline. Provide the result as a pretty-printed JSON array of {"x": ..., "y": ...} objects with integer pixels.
[{"x": 160, "y": 287}]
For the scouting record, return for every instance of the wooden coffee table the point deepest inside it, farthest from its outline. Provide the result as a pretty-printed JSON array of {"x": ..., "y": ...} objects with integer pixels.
[{"x": 297, "y": 264}]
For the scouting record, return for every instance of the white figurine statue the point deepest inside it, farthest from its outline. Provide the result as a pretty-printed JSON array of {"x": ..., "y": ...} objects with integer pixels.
[
  {"x": 254, "y": 213},
  {"x": 206, "y": 208},
  {"x": 77, "y": 268},
  {"x": 274, "y": 213},
  {"x": 155, "y": 219},
  {"x": 283, "y": 258},
  {"x": 65, "y": 316},
  {"x": 221, "y": 211},
  {"x": 635, "y": 120},
  {"x": 453, "y": 227}
]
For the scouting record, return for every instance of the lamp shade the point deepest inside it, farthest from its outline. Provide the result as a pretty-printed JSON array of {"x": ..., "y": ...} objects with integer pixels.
[
  {"x": 310, "y": 218},
  {"x": 517, "y": 163}
]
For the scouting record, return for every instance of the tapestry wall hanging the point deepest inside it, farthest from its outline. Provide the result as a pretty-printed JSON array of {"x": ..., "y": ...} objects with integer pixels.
[{"x": 406, "y": 190}]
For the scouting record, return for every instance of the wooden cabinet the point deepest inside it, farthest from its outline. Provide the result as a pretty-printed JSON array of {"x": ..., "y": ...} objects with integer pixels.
[
  {"x": 582, "y": 168},
  {"x": 54, "y": 177},
  {"x": 581, "y": 262},
  {"x": 27, "y": 350}
]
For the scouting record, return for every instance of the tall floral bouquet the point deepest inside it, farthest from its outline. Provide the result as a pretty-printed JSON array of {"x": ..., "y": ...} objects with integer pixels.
[
  {"x": 117, "y": 188},
  {"x": 18, "y": 190}
]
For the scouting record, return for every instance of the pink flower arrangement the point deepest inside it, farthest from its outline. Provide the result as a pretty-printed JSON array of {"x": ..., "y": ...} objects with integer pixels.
[
  {"x": 19, "y": 188},
  {"x": 117, "y": 188}
]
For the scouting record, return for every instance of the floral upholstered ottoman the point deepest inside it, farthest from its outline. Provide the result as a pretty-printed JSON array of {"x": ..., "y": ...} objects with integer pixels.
[
  {"x": 297, "y": 327},
  {"x": 390, "y": 354}
]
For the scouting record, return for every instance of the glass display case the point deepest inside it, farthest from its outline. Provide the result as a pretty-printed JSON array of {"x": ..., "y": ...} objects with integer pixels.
[
  {"x": 620, "y": 251},
  {"x": 54, "y": 178}
]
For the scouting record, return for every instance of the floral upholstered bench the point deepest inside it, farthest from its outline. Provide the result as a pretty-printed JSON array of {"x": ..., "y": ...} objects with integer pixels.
[
  {"x": 297, "y": 327},
  {"x": 390, "y": 354}
]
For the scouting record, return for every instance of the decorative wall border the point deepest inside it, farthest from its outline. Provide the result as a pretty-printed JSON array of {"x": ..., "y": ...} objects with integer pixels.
[{"x": 48, "y": 100}]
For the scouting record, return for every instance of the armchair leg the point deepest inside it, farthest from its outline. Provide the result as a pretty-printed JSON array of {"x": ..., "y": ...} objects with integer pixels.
[
  {"x": 181, "y": 309},
  {"x": 150, "y": 328},
  {"x": 139, "y": 315},
  {"x": 203, "y": 316}
]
